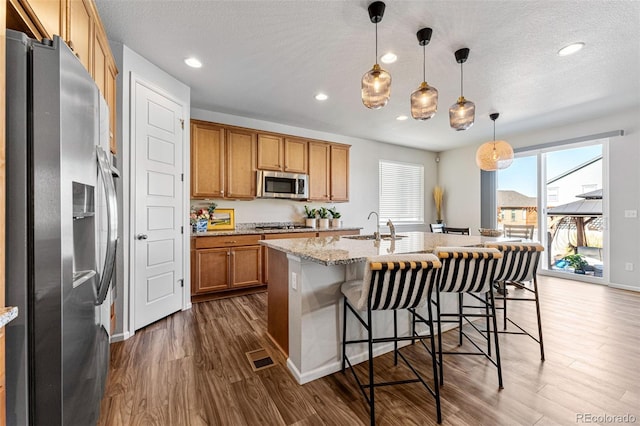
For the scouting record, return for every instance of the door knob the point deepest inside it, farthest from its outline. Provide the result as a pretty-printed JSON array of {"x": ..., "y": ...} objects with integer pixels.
[{"x": 142, "y": 236}]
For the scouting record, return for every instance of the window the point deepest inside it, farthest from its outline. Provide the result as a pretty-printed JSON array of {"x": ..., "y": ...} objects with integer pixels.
[
  {"x": 553, "y": 194},
  {"x": 513, "y": 215},
  {"x": 401, "y": 192}
]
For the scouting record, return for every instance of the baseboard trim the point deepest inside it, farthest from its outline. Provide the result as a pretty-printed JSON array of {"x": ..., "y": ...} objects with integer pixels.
[
  {"x": 624, "y": 287},
  {"x": 120, "y": 337}
]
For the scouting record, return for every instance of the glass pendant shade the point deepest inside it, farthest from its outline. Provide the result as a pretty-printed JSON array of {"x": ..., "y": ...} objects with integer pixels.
[
  {"x": 462, "y": 114},
  {"x": 376, "y": 87},
  {"x": 424, "y": 102},
  {"x": 494, "y": 155}
]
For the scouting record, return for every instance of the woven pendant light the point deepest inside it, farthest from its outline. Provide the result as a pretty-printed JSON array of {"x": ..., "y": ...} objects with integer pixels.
[{"x": 494, "y": 155}]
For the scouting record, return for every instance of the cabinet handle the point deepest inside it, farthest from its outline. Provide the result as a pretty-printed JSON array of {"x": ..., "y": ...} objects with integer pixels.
[{"x": 230, "y": 242}]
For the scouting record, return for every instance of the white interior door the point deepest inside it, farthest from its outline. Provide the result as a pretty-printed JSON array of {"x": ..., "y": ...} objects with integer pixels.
[{"x": 157, "y": 236}]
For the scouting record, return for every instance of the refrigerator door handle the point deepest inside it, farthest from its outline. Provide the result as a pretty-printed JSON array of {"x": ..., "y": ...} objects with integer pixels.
[{"x": 112, "y": 229}]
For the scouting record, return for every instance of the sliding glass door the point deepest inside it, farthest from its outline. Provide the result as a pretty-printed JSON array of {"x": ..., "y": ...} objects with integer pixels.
[{"x": 559, "y": 193}]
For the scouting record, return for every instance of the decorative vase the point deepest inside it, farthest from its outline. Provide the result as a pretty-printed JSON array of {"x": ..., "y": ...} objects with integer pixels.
[
  {"x": 201, "y": 225},
  {"x": 310, "y": 222},
  {"x": 336, "y": 223},
  {"x": 323, "y": 223}
]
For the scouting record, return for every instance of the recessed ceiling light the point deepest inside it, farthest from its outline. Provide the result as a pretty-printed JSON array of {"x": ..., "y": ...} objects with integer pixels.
[
  {"x": 401, "y": 117},
  {"x": 193, "y": 62},
  {"x": 321, "y": 97},
  {"x": 570, "y": 49},
  {"x": 388, "y": 58}
]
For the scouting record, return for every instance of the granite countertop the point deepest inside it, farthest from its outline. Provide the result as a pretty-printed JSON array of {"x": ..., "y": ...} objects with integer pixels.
[
  {"x": 8, "y": 314},
  {"x": 244, "y": 229},
  {"x": 342, "y": 250}
]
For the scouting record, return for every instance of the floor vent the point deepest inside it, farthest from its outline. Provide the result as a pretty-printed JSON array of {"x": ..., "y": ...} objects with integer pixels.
[{"x": 260, "y": 359}]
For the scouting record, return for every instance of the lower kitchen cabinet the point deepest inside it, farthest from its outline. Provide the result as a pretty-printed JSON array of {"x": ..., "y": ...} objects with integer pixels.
[{"x": 226, "y": 263}]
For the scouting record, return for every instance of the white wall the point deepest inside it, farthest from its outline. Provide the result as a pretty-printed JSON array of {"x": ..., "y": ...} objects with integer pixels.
[
  {"x": 461, "y": 179},
  {"x": 363, "y": 184},
  {"x": 132, "y": 64}
]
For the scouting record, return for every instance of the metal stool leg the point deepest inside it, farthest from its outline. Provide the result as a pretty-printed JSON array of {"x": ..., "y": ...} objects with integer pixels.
[
  {"x": 495, "y": 334},
  {"x": 535, "y": 290},
  {"x": 372, "y": 408},
  {"x": 344, "y": 331}
]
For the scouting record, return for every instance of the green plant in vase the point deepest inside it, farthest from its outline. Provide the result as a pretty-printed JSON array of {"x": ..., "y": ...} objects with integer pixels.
[
  {"x": 310, "y": 214},
  {"x": 336, "y": 222},
  {"x": 323, "y": 222}
]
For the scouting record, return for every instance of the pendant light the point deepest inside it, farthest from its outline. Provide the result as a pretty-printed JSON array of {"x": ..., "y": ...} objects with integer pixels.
[
  {"x": 494, "y": 155},
  {"x": 462, "y": 113},
  {"x": 424, "y": 100},
  {"x": 376, "y": 83}
]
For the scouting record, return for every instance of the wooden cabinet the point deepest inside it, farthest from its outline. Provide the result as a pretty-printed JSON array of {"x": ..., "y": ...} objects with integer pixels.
[
  {"x": 319, "y": 157},
  {"x": 80, "y": 31},
  {"x": 38, "y": 18},
  {"x": 223, "y": 263},
  {"x": 295, "y": 155},
  {"x": 339, "y": 182},
  {"x": 328, "y": 172},
  {"x": 270, "y": 152},
  {"x": 77, "y": 22},
  {"x": 282, "y": 154},
  {"x": 207, "y": 160},
  {"x": 224, "y": 161},
  {"x": 241, "y": 160}
]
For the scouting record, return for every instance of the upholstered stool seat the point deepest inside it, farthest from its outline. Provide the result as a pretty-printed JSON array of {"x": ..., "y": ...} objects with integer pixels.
[{"x": 392, "y": 283}]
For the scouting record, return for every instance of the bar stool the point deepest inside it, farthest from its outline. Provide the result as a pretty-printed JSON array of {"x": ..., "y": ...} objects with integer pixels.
[
  {"x": 518, "y": 268},
  {"x": 470, "y": 271},
  {"x": 392, "y": 282}
]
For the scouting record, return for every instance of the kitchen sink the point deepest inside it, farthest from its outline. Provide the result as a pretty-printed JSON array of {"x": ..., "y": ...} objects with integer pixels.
[{"x": 372, "y": 237}]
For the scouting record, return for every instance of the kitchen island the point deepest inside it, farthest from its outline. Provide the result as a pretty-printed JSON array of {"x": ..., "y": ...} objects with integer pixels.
[{"x": 305, "y": 301}]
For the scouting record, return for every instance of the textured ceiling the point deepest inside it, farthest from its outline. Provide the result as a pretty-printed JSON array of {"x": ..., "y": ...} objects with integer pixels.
[{"x": 267, "y": 59}]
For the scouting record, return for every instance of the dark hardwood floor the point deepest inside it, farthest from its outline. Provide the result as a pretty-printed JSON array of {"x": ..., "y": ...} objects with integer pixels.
[{"x": 191, "y": 369}]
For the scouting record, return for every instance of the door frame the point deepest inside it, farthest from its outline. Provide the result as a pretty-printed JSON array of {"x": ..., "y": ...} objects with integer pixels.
[
  {"x": 538, "y": 152},
  {"x": 128, "y": 217}
]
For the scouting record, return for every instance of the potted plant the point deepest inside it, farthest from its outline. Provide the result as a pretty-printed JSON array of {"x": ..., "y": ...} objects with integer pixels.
[
  {"x": 310, "y": 221},
  {"x": 577, "y": 262},
  {"x": 438, "y": 192},
  {"x": 323, "y": 222},
  {"x": 336, "y": 222}
]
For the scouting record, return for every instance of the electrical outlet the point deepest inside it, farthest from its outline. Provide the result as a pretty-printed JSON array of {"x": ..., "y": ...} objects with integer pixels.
[
  {"x": 294, "y": 281},
  {"x": 628, "y": 266},
  {"x": 631, "y": 213}
]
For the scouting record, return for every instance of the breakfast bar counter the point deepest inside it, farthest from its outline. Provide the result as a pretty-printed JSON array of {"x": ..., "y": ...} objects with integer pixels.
[{"x": 305, "y": 301}]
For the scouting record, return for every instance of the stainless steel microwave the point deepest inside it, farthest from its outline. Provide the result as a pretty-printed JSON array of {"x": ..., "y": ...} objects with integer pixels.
[{"x": 282, "y": 185}]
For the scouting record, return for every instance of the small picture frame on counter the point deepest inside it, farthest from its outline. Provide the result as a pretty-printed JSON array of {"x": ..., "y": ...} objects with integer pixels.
[{"x": 222, "y": 220}]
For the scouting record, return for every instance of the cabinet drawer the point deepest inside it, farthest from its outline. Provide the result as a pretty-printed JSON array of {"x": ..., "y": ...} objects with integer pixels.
[{"x": 227, "y": 241}]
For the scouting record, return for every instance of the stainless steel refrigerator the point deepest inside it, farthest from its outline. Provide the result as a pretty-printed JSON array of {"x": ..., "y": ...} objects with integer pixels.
[{"x": 61, "y": 236}]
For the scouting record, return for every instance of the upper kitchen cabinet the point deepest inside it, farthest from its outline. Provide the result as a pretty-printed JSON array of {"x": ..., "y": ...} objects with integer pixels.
[
  {"x": 207, "y": 160},
  {"x": 339, "y": 185},
  {"x": 328, "y": 172},
  {"x": 76, "y": 22},
  {"x": 270, "y": 152},
  {"x": 319, "y": 158},
  {"x": 80, "y": 31},
  {"x": 39, "y": 18},
  {"x": 295, "y": 155},
  {"x": 241, "y": 160},
  {"x": 281, "y": 153}
]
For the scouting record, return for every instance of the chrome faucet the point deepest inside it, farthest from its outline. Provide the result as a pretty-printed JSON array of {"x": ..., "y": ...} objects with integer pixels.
[
  {"x": 392, "y": 229},
  {"x": 377, "y": 233}
]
